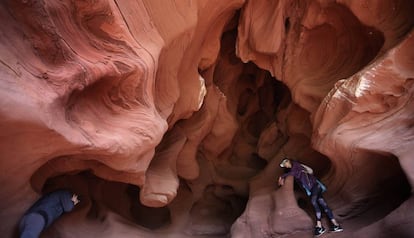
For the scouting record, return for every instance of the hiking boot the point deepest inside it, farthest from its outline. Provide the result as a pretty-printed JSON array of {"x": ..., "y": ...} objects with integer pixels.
[
  {"x": 337, "y": 228},
  {"x": 319, "y": 231}
]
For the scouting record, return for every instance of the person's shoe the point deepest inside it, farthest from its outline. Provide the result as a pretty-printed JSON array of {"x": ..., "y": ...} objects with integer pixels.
[
  {"x": 337, "y": 228},
  {"x": 319, "y": 231}
]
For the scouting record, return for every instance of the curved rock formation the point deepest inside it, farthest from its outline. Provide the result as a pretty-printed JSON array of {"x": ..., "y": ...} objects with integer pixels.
[{"x": 170, "y": 117}]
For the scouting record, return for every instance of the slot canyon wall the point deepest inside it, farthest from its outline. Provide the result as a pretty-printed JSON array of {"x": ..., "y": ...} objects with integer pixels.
[{"x": 170, "y": 118}]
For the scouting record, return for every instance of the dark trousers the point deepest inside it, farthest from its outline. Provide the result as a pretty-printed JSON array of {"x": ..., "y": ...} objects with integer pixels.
[
  {"x": 319, "y": 203},
  {"x": 31, "y": 225}
]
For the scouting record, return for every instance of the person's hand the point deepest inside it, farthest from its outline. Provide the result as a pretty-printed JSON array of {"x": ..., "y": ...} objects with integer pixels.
[
  {"x": 75, "y": 199},
  {"x": 281, "y": 181}
]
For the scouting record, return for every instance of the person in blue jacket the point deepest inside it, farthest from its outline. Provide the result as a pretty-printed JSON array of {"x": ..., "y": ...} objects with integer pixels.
[
  {"x": 314, "y": 188},
  {"x": 45, "y": 211}
]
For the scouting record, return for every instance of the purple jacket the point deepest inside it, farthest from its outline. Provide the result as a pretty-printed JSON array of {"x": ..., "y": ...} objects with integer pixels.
[
  {"x": 302, "y": 177},
  {"x": 53, "y": 205}
]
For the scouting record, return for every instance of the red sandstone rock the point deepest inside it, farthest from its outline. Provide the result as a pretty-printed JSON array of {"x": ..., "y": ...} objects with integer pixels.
[{"x": 170, "y": 117}]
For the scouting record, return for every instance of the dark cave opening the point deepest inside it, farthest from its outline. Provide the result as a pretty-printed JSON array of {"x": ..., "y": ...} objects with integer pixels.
[
  {"x": 372, "y": 197},
  {"x": 99, "y": 195}
]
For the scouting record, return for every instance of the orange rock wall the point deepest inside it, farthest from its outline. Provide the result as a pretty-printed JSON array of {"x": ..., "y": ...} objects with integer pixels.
[{"x": 170, "y": 117}]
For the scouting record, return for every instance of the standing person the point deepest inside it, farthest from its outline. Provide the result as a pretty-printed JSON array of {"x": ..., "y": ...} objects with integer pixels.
[
  {"x": 45, "y": 211},
  {"x": 314, "y": 188}
]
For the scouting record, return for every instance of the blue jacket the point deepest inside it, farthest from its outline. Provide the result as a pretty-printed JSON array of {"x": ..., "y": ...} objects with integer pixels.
[{"x": 51, "y": 206}]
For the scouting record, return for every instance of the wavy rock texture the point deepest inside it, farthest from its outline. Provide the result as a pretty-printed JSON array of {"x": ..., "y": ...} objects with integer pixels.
[{"x": 170, "y": 117}]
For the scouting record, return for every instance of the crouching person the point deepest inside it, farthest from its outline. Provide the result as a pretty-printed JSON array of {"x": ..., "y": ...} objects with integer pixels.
[
  {"x": 314, "y": 188},
  {"x": 45, "y": 211}
]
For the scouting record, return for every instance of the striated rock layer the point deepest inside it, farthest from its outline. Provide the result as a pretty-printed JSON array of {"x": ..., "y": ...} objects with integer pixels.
[{"x": 170, "y": 117}]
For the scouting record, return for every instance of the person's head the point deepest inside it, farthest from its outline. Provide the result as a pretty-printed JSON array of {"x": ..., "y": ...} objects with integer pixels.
[
  {"x": 286, "y": 163},
  {"x": 75, "y": 199}
]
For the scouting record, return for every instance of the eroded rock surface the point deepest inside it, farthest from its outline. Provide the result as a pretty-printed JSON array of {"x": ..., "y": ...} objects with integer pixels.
[{"x": 170, "y": 117}]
